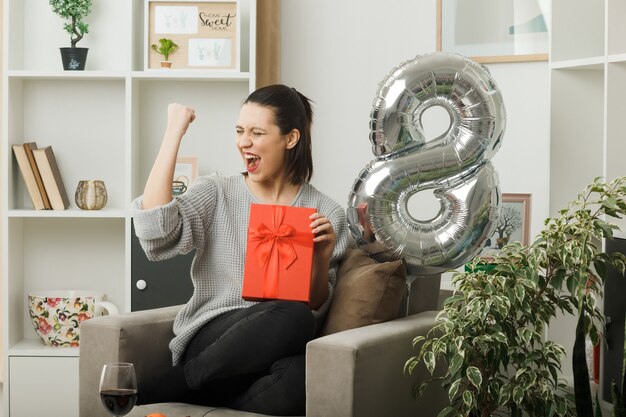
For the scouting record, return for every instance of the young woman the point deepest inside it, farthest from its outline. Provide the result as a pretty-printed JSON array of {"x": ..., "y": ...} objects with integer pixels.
[{"x": 228, "y": 351}]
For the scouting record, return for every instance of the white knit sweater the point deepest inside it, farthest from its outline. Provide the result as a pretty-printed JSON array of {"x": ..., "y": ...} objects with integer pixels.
[{"x": 212, "y": 217}]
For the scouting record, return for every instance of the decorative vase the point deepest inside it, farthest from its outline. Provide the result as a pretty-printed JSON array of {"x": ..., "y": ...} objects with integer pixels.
[
  {"x": 57, "y": 315},
  {"x": 91, "y": 195},
  {"x": 74, "y": 58}
]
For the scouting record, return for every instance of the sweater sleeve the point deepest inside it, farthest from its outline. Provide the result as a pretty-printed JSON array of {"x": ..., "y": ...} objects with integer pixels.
[{"x": 179, "y": 226}]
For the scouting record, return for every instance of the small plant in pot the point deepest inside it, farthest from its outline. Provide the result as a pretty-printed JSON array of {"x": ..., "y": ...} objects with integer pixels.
[
  {"x": 73, "y": 11},
  {"x": 167, "y": 47}
]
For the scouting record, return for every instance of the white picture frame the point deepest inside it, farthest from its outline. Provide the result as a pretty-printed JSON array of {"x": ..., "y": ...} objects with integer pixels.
[
  {"x": 513, "y": 223},
  {"x": 489, "y": 31}
]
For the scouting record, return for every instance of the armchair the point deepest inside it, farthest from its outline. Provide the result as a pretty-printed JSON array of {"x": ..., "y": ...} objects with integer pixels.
[{"x": 356, "y": 372}]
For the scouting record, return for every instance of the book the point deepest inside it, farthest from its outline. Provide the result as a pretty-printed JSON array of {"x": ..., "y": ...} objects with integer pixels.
[
  {"x": 29, "y": 177},
  {"x": 28, "y": 147},
  {"x": 51, "y": 177}
]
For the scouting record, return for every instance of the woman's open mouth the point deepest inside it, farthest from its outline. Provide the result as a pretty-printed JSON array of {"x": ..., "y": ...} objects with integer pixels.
[{"x": 252, "y": 162}]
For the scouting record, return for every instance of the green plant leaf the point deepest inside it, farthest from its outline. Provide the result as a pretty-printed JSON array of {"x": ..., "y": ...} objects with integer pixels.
[
  {"x": 417, "y": 340},
  {"x": 454, "y": 389},
  {"x": 518, "y": 395},
  {"x": 468, "y": 398},
  {"x": 530, "y": 381},
  {"x": 429, "y": 361},
  {"x": 504, "y": 395},
  {"x": 561, "y": 407},
  {"x": 520, "y": 292},
  {"x": 410, "y": 365},
  {"x": 571, "y": 284},
  {"x": 557, "y": 278},
  {"x": 445, "y": 412},
  {"x": 525, "y": 334},
  {"x": 452, "y": 299},
  {"x": 500, "y": 337},
  {"x": 455, "y": 365},
  {"x": 474, "y": 375}
]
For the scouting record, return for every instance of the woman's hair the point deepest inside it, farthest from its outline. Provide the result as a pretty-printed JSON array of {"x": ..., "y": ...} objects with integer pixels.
[{"x": 292, "y": 110}]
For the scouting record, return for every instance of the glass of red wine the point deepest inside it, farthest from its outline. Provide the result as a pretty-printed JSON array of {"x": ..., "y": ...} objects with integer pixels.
[{"x": 118, "y": 388}]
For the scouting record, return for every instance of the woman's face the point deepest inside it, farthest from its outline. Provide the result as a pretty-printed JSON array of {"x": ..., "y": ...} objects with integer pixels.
[{"x": 261, "y": 144}]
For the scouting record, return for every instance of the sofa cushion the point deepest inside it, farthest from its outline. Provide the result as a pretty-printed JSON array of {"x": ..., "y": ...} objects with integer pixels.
[{"x": 367, "y": 292}]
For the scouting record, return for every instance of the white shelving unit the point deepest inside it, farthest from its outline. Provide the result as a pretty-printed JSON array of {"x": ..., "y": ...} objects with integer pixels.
[
  {"x": 103, "y": 123},
  {"x": 588, "y": 80},
  {"x": 588, "y": 84}
]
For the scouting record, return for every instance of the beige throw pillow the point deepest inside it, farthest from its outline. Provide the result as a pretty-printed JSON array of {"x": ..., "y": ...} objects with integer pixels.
[{"x": 367, "y": 292}]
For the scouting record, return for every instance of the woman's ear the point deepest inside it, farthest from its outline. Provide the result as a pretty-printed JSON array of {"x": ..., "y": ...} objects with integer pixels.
[{"x": 292, "y": 138}]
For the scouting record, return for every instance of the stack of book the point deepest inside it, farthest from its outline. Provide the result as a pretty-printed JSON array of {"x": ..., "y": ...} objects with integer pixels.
[{"x": 42, "y": 177}]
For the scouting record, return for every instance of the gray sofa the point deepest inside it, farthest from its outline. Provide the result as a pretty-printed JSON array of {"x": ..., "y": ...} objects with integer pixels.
[{"x": 357, "y": 372}]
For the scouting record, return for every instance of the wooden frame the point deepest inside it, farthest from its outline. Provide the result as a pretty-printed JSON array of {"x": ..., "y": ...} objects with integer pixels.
[
  {"x": 268, "y": 43},
  {"x": 513, "y": 224},
  {"x": 208, "y": 33},
  {"x": 185, "y": 173},
  {"x": 533, "y": 48}
]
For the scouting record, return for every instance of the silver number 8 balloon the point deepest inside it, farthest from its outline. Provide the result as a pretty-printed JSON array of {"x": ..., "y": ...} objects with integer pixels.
[{"x": 455, "y": 166}]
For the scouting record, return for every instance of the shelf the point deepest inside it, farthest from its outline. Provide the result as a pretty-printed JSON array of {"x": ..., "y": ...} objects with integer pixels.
[
  {"x": 69, "y": 213},
  {"x": 592, "y": 63},
  {"x": 616, "y": 58},
  {"x": 191, "y": 75},
  {"x": 68, "y": 75},
  {"x": 155, "y": 74},
  {"x": 35, "y": 347}
]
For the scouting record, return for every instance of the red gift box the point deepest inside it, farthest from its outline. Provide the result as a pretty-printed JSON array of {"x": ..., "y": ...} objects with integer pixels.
[{"x": 279, "y": 253}]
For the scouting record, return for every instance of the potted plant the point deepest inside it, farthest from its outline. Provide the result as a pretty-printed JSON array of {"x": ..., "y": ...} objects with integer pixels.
[
  {"x": 490, "y": 333},
  {"x": 73, "y": 11},
  {"x": 167, "y": 47}
]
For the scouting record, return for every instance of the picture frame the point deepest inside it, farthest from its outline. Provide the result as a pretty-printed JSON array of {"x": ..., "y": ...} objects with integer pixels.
[
  {"x": 185, "y": 173},
  {"x": 513, "y": 223},
  {"x": 208, "y": 33},
  {"x": 490, "y": 31}
]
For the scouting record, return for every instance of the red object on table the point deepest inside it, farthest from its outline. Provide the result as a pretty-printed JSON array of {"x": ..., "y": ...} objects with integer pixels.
[{"x": 279, "y": 253}]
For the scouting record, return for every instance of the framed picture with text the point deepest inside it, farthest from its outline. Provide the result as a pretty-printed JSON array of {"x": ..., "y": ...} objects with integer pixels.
[
  {"x": 185, "y": 172},
  {"x": 494, "y": 30},
  {"x": 513, "y": 223},
  {"x": 206, "y": 34}
]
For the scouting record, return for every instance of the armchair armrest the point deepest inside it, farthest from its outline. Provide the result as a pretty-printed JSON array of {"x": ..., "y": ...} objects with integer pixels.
[
  {"x": 141, "y": 337},
  {"x": 359, "y": 372}
]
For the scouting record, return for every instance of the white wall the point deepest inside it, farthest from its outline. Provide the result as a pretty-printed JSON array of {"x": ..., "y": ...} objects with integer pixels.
[{"x": 337, "y": 52}]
